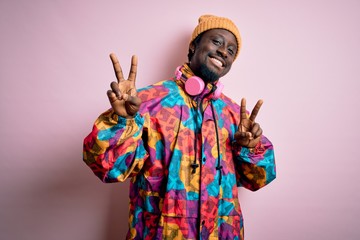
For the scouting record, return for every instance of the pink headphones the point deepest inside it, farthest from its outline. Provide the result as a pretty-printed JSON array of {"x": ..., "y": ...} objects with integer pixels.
[{"x": 195, "y": 85}]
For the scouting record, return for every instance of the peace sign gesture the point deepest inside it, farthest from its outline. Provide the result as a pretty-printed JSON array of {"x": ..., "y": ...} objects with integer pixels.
[
  {"x": 123, "y": 96},
  {"x": 249, "y": 132}
]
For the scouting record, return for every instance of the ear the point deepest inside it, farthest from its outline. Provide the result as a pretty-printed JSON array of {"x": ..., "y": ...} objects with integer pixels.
[{"x": 192, "y": 47}]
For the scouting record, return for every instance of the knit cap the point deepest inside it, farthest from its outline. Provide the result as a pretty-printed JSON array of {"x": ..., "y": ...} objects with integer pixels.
[{"x": 207, "y": 22}]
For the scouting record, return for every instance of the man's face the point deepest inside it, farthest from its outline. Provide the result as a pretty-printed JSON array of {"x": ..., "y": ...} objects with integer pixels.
[{"x": 213, "y": 54}]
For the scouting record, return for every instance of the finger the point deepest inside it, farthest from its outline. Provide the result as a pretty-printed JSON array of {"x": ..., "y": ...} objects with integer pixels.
[
  {"x": 133, "y": 69},
  {"x": 255, "y": 127},
  {"x": 243, "y": 135},
  {"x": 243, "y": 110},
  {"x": 258, "y": 133},
  {"x": 256, "y": 109},
  {"x": 256, "y": 130},
  {"x": 132, "y": 92},
  {"x": 112, "y": 96},
  {"x": 115, "y": 88},
  {"x": 125, "y": 96},
  {"x": 117, "y": 68}
]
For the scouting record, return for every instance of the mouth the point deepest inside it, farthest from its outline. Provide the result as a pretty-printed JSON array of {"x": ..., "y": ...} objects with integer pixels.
[{"x": 217, "y": 62}]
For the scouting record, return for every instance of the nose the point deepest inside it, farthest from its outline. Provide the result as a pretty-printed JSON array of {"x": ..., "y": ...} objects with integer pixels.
[{"x": 222, "y": 51}]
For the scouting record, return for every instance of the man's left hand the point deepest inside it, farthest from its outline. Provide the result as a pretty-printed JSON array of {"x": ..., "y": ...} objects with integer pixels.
[{"x": 249, "y": 132}]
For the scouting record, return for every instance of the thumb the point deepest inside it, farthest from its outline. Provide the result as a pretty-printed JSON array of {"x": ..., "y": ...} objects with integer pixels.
[
  {"x": 132, "y": 105},
  {"x": 134, "y": 100}
]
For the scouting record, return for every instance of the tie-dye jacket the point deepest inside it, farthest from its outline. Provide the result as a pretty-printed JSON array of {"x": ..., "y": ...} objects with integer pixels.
[{"x": 184, "y": 166}]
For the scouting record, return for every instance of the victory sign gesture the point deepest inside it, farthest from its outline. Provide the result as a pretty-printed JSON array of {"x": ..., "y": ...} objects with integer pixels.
[
  {"x": 123, "y": 96},
  {"x": 249, "y": 132}
]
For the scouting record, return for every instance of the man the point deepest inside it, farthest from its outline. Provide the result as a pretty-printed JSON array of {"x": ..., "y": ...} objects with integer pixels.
[{"x": 185, "y": 145}]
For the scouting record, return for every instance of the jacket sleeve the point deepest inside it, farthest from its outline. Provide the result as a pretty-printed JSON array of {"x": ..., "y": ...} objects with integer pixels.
[
  {"x": 255, "y": 168},
  {"x": 114, "y": 149}
]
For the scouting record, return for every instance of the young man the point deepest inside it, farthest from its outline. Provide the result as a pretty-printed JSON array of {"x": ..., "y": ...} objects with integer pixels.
[{"x": 185, "y": 145}]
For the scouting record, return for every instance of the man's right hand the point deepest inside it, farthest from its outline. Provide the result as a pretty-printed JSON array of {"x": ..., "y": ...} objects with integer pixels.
[{"x": 123, "y": 96}]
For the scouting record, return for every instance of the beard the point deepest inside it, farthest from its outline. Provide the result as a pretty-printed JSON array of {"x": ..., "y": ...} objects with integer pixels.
[{"x": 207, "y": 75}]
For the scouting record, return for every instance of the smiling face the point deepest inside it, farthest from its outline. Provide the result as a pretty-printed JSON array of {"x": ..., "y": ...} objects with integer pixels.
[{"x": 213, "y": 54}]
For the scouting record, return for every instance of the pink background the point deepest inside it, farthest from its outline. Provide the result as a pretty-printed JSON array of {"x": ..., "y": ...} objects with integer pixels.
[{"x": 301, "y": 57}]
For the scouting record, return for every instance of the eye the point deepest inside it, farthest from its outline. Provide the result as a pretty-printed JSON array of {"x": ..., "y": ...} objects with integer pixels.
[
  {"x": 216, "y": 42},
  {"x": 231, "y": 51}
]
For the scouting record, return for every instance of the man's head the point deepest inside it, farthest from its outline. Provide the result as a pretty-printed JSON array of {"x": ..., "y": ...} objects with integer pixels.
[{"x": 214, "y": 45}]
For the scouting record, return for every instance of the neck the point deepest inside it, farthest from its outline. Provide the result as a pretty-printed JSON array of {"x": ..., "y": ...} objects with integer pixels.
[{"x": 205, "y": 74}]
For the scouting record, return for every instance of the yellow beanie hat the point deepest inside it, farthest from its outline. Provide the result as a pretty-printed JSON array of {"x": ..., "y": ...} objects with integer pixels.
[{"x": 207, "y": 22}]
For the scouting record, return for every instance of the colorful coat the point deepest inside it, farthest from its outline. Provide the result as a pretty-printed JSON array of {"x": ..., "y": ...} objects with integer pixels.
[{"x": 184, "y": 166}]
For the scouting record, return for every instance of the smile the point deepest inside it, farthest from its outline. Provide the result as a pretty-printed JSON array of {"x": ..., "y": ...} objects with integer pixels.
[{"x": 216, "y": 62}]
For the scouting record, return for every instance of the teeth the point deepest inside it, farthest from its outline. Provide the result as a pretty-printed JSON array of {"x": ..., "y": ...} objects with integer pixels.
[{"x": 216, "y": 62}]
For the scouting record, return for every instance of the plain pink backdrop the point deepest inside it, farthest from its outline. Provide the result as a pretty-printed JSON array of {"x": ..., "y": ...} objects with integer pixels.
[{"x": 301, "y": 57}]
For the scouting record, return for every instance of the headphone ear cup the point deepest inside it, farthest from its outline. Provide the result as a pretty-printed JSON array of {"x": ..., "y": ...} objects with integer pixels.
[{"x": 194, "y": 85}]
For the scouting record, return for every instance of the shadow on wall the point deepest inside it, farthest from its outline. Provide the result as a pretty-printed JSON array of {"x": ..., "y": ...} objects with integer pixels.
[
  {"x": 118, "y": 212},
  {"x": 58, "y": 197}
]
